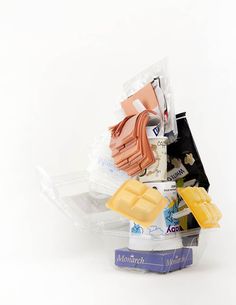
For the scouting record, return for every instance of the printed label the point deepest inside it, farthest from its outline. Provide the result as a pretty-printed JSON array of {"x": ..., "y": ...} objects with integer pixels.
[
  {"x": 177, "y": 173},
  {"x": 136, "y": 229},
  {"x": 174, "y": 229},
  {"x": 156, "y": 131},
  {"x": 158, "y": 170},
  {"x": 168, "y": 213},
  {"x": 130, "y": 259}
]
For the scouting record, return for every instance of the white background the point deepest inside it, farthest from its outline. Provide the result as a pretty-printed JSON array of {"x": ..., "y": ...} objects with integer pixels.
[{"x": 62, "y": 66}]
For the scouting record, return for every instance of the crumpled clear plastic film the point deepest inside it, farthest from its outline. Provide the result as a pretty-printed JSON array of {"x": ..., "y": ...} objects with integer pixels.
[
  {"x": 157, "y": 75},
  {"x": 104, "y": 177}
]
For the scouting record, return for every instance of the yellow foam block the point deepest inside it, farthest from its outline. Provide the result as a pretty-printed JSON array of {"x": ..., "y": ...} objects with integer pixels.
[
  {"x": 137, "y": 202},
  {"x": 204, "y": 210}
]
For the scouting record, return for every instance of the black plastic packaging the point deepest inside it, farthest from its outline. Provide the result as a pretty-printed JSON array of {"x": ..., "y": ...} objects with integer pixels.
[
  {"x": 184, "y": 162},
  {"x": 186, "y": 168}
]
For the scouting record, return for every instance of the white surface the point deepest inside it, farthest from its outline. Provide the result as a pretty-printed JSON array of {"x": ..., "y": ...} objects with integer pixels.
[{"x": 62, "y": 66}]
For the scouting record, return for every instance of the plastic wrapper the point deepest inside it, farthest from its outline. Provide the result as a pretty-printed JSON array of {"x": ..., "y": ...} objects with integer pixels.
[
  {"x": 103, "y": 175},
  {"x": 184, "y": 162},
  {"x": 157, "y": 75},
  {"x": 185, "y": 167}
]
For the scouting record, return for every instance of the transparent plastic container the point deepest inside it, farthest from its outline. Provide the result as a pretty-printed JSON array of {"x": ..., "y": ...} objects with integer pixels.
[{"x": 88, "y": 211}]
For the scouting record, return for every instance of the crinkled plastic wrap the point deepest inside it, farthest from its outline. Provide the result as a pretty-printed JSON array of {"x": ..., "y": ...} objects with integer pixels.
[
  {"x": 103, "y": 176},
  {"x": 157, "y": 75}
]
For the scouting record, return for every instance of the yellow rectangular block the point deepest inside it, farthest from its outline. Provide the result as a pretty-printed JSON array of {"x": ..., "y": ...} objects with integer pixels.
[
  {"x": 204, "y": 210},
  {"x": 137, "y": 202}
]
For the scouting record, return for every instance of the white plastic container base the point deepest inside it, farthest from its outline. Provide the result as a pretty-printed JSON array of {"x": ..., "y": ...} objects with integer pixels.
[{"x": 87, "y": 210}]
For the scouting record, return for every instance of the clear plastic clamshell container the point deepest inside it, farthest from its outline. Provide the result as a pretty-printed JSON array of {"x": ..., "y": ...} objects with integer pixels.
[{"x": 160, "y": 253}]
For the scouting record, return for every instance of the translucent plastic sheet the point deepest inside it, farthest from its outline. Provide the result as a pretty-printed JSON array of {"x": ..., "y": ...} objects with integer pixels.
[{"x": 158, "y": 76}]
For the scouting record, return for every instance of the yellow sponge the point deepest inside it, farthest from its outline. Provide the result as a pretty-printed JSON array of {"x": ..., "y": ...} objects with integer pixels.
[
  {"x": 204, "y": 210},
  {"x": 137, "y": 202}
]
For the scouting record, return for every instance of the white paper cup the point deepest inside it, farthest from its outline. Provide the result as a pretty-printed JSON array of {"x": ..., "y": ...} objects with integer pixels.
[{"x": 155, "y": 237}]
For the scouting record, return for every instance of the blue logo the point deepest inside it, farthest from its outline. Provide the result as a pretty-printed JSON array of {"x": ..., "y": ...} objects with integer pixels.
[
  {"x": 170, "y": 221},
  {"x": 156, "y": 131},
  {"x": 137, "y": 229}
]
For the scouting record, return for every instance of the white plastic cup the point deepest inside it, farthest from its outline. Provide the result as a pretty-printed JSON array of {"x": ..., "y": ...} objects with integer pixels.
[{"x": 156, "y": 237}]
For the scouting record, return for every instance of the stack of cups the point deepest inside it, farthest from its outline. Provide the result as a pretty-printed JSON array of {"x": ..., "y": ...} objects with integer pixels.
[{"x": 155, "y": 237}]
